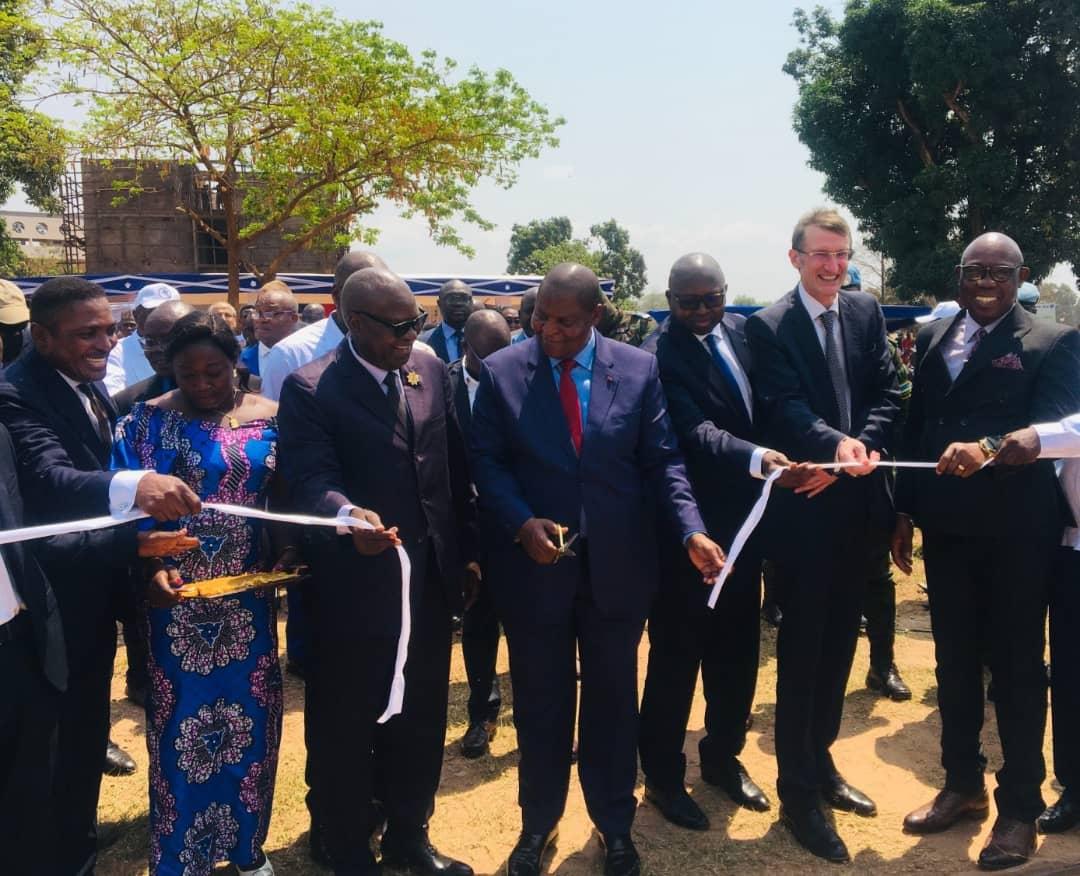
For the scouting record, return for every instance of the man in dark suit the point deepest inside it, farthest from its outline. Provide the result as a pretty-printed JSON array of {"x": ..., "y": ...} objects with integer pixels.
[
  {"x": 455, "y": 305},
  {"x": 705, "y": 369},
  {"x": 990, "y": 370},
  {"x": 370, "y": 430},
  {"x": 825, "y": 381},
  {"x": 485, "y": 332},
  {"x": 61, "y": 423},
  {"x": 570, "y": 433}
]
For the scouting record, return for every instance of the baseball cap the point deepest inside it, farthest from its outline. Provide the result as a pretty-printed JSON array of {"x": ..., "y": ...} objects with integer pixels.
[
  {"x": 153, "y": 294},
  {"x": 13, "y": 309},
  {"x": 942, "y": 310},
  {"x": 1028, "y": 293}
]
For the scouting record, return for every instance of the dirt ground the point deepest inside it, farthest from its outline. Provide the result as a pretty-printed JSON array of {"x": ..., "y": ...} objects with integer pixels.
[{"x": 890, "y": 750}]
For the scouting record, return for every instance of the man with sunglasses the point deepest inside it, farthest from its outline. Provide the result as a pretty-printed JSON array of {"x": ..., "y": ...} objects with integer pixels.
[
  {"x": 370, "y": 430},
  {"x": 990, "y": 370},
  {"x": 276, "y": 316},
  {"x": 828, "y": 393}
]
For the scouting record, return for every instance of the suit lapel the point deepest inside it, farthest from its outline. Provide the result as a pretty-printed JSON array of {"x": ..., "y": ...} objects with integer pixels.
[
  {"x": 995, "y": 344},
  {"x": 852, "y": 334},
  {"x": 366, "y": 390},
  {"x": 417, "y": 395},
  {"x": 806, "y": 339},
  {"x": 64, "y": 401},
  {"x": 737, "y": 338},
  {"x": 603, "y": 383},
  {"x": 700, "y": 360}
]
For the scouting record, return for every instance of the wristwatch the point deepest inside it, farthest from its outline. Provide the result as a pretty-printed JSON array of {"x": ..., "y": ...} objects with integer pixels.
[{"x": 990, "y": 445}]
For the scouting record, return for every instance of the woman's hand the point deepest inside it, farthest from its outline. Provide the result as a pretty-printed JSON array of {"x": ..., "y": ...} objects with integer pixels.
[
  {"x": 159, "y": 543},
  {"x": 163, "y": 588},
  {"x": 288, "y": 559}
]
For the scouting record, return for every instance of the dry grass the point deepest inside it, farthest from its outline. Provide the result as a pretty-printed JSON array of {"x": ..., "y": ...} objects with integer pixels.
[{"x": 890, "y": 750}]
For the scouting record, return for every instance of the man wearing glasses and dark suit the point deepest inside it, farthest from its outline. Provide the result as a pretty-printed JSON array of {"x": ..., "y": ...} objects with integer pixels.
[{"x": 990, "y": 370}]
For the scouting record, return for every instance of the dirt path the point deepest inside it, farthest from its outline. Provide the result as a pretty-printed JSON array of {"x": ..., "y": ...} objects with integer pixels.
[{"x": 890, "y": 750}]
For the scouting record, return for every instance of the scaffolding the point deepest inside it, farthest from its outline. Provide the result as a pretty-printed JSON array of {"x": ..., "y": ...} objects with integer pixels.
[{"x": 71, "y": 212}]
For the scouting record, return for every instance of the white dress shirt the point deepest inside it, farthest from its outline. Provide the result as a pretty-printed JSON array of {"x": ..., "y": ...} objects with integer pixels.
[
  {"x": 1062, "y": 441},
  {"x": 295, "y": 351},
  {"x": 957, "y": 350},
  {"x": 743, "y": 382},
  {"x": 127, "y": 364},
  {"x": 815, "y": 308},
  {"x": 264, "y": 351}
]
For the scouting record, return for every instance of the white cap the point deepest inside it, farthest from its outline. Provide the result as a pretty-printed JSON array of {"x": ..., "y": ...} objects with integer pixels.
[
  {"x": 153, "y": 294},
  {"x": 942, "y": 310},
  {"x": 1028, "y": 293}
]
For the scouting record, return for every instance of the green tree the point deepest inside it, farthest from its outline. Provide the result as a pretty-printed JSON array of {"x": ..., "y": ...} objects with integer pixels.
[
  {"x": 31, "y": 144},
  {"x": 543, "y": 243},
  {"x": 936, "y": 120},
  {"x": 744, "y": 300},
  {"x": 302, "y": 122},
  {"x": 1064, "y": 296}
]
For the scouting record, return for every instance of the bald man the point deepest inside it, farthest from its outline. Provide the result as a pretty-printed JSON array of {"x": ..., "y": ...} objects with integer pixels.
[
  {"x": 276, "y": 317},
  {"x": 989, "y": 535},
  {"x": 370, "y": 430},
  {"x": 455, "y": 304},
  {"x": 528, "y": 305},
  {"x": 155, "y": 334},
  {"x": 486, "y": 331},
  {"x": 571, "y": 440}
]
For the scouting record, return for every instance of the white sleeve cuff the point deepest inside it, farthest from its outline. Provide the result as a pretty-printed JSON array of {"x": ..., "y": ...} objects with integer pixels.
[
  {"x": 122, "y": 490},
  {"x": 345, "y": 511},
  {"x": 755, "y": 462},
  {"x": 1058, "y": 440}
]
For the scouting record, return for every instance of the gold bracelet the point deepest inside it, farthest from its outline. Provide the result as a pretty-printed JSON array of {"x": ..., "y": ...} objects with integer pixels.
[{"x": 987, "y": 448}]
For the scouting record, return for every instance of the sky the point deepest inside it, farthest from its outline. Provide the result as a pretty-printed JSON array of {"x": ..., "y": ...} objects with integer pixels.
[{"x": 678, "y": 125}]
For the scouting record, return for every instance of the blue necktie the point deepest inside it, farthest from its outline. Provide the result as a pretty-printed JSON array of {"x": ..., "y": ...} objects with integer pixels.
[{"x": 725, "y": 370}]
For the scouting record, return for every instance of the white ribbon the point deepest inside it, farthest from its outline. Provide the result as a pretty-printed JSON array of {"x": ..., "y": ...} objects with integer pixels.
[{"x": 396, "y": 698}]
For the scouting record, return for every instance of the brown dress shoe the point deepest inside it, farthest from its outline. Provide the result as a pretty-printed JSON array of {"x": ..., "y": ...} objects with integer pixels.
[
  {"x": 1010, "y": 844},
  {"x": 945, "y": 810}
]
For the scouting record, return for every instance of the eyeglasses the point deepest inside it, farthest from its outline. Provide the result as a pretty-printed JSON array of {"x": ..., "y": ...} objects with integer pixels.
[
  {"x": 399, "y": 329},
  {"x": 695, "y": 302},
  {"x": 821, "y": 255},
  {"x": 271, "y": 314},
  {"x": 998, "y": 273}
]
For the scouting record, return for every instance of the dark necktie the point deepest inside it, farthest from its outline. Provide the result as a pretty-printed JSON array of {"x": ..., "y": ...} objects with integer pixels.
[
  {"x": 459, "y": 338},
  {"x": 104, "y": 428},
  {"x": 976, "y": 339},
  {"x": 397, "y": 401},
  {"x": 571, "y": 404},
  {"x": 725, "y": 370},
  {"x": 836, "y": 370}
]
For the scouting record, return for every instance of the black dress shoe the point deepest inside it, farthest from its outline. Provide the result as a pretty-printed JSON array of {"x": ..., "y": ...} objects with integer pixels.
[
  {"x": 1061, "y": 816},
  {"x": 678, "y": 807},
  {"x": 528, "y": 854},
  {"x": 475, "y": 742},
  {"x": 732, "y": 778},
  {"x": 840, "y": 795},
  {"x": 889, "y": 683},
  {"x": 620, "y": 858},
  {"x": 108, "y": 835},
  {"x": 419, "y": 856},
  {"x": 814, "y": 833},
  {"x": 117, "y": 761}
]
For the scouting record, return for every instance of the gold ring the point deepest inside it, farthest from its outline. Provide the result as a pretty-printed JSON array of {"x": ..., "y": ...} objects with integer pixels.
[{"x": 960, "y": 467}]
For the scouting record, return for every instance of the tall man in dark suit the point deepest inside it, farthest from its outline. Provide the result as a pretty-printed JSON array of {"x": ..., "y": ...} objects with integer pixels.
[
  {"x": 485, "y": 332},
  {"x": 570, "y": 434},
  {"x": 370, "y": 430},
  {"x": 455, "y": 305},
  {"x": 990, "y": 370},
  {"x": 61, "y": 423},
  {"x": 706, "y": 372},
  {"x": 827, "y": 388}
]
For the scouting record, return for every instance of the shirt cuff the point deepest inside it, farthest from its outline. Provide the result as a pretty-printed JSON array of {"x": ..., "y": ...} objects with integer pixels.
[
  {"x": 122, "y": 489},
  {"x": 345, "y": 511},
  {"x": 1055, "y": 440},
  {"x": 755, "y": 462},
  {"x": 692, "y": 534}
]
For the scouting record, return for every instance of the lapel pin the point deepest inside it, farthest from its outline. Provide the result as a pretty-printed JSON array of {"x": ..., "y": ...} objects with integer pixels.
[{"x": 413, "y": 379}]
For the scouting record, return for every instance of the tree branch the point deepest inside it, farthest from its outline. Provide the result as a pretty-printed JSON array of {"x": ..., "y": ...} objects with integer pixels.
[{"x": 920, "y": 140}]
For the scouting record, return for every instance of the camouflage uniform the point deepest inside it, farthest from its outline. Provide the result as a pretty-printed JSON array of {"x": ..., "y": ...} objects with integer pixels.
[{"x": 623, "y": 325}]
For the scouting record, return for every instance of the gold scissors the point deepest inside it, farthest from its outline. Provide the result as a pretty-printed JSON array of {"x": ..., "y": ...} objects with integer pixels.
[{"x": 564, "y": 546}]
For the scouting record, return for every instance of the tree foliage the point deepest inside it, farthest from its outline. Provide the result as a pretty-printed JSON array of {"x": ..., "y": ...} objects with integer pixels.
[
  {"x": 302, "y": 122},
  {"x": 544, "y": 243},
  {"x": 936, "y": 120},
  {"x": 1068, "y": 305}
]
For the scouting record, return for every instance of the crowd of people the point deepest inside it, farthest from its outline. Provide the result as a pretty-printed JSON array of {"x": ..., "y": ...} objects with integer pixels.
[{"x": 563, "y": 474}]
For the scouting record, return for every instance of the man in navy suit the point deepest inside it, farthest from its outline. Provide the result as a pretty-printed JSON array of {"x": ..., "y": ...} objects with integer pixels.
[
  {"x": 455, "y": 305},
  {"x": 706, "y": 372},
  {"x": 369, "y": 430},
  {"x": 828, "y": 391},
  {"x": 571, "y": 439},
  {"x": 61, "y": 423}
]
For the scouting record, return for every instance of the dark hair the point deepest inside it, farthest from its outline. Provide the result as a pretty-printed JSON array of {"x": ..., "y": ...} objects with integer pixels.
[
  {"x": 201, "y": 327},
  {"x": 54, "y": 295}
]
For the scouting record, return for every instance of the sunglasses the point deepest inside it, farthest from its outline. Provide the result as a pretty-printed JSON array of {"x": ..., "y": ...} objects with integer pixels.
[
  {"x": 695, "y": 302},
  {"x": 399, "y": 329},
  {"x": 998, "y": 273}
]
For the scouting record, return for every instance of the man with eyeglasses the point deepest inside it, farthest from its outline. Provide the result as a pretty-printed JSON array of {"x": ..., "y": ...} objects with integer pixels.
[
  {"x": 828, "y": 393},
  {"x": 276, "y": 317},
  {"x": 455, "y": 305},
  {"x": 370, "y": 430},
  {"x": 990, "y": 370},
  {"x": 127, "y": 361},
  {"x": 706, "y": 371}
]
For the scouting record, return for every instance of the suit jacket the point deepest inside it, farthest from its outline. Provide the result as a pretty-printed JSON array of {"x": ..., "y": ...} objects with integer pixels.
[
  {"x": 61, "y": 455},
  {"x": 435, "y": 338},
  {"x": 1025, "y": 371},
  {"x": 249, "y": 357},
  {"x": 524, "y": 465},
  {"x": 711, "y": 421},
  {"x": 26, "y": 575},
  {"x": 800, "y": 414},
  {"x": 461, "y": 398},
  {"x": 142, "y": 391},
  {"x": 340, "y": 445}
]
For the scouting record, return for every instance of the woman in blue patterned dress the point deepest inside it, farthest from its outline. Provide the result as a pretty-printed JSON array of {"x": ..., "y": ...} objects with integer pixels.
[{"x": 215, "y": 700}]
